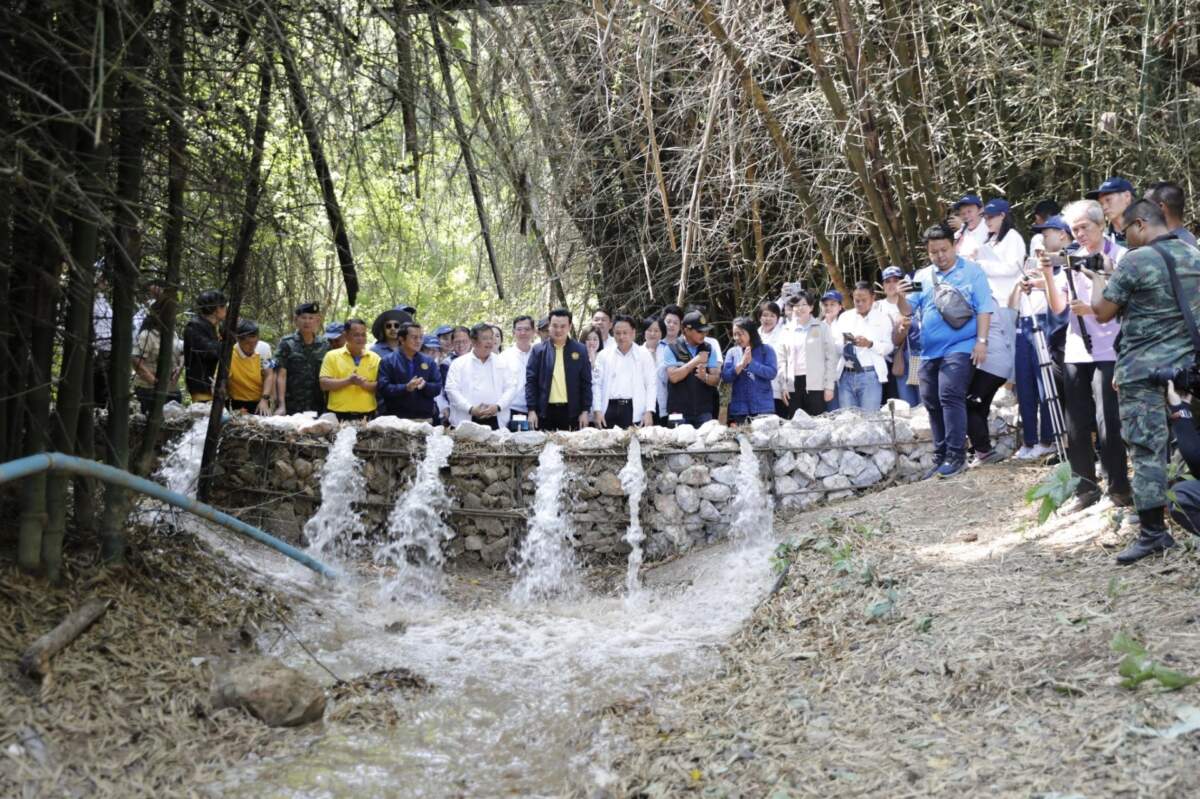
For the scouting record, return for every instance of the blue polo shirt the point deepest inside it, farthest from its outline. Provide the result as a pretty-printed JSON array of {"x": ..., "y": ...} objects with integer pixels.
[{"x": 938, "y": 339}]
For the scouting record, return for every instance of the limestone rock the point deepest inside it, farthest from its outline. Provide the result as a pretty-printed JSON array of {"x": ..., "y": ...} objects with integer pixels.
[
  {"x": 667, "y": 507},
  {"x": 713, "y": 432},
  {"x": 899, "y": 407},
  {"x": 765, "y": 424},
  {"x": 885, "y": 460},
  {"x": 852, "y": 463},
  {"x": 836, "y": 481},
  {"x": 473, "y": 542},
  {"x": 685, "y": 434},
  {"x": 725, "y": 475},
  {"x": 678, "y": 462},
  {"x": 609, "y": 485},
  {"x": 495, "y": 553},
  {"x": 667, "y": 480},
  {"x": 688, "y": 498},
  {"x": 696, "y": 475},
  {"x": 716, "y": 492},
  {"x": 528, "y": 439},
  {"x": 394, "y": 424},
  {"x": 806, "y": 465},
  {"x": 785, "y": 463},
  {"x": 829, "y": 464},
  {"x": 819, "y": 436},
  {"x": 275, "y": 694},
  {"x": 790, "y": 438},
  {"x": 869, "y": 475},
  {"x": 662, "y": 436},
  {"x": 471, "y": 431},
  {"x": 304, "y": 468},
  {"x": 861, "y": 432},
  {"x": 761, "y": 439},
  {"x": 786, "y": 485},
  {"x": 802, "y": 421},
  {"x": 709, "y": 512}
]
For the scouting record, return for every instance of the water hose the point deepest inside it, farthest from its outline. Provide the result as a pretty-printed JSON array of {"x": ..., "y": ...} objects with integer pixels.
[{"x": 58, "y": 462}]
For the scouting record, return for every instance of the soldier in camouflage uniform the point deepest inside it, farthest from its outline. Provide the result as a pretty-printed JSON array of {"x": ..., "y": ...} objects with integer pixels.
[
  {"x": 1154, "y": 335},
  {"x": 298, "y": 364}
]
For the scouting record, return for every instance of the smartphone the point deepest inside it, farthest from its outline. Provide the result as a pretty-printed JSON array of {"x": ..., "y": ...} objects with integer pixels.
[
  {"x": 1057, "y": 259},
  {"x": 849, "y": 339},
  {"x": 917, "y": 286}
]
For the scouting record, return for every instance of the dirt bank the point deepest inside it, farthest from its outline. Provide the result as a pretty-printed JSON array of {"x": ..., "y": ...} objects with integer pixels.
[
  {"x": 125, "y": 710},
  {"x": 933, "y": 640}
]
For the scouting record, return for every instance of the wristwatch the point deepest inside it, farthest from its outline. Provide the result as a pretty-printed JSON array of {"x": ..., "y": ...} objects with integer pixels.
[{"x": 982, "y": 339}]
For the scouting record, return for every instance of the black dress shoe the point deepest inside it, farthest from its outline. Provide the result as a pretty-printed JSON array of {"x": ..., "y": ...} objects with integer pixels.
[
  {"x": 1120, "y": 500},
  {"x": 1148, "y": 542}
]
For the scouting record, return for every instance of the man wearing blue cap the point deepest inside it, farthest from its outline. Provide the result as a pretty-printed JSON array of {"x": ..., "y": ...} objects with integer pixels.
[
  {"x": 967, "y": 224},
  {"x": 1114, "y": 196},
  {"x": 409, "y": 381},
  {"x": 444, "y": 334}
]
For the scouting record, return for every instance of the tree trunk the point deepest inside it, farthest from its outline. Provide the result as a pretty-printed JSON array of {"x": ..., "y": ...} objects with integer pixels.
[
  {"x": 173, "y": 232},
  {"x": 237, "y": 274},
  {"x": 799, "y": 182},
  {"x": 130, "y": 156},
  {"x": 406, "y": 84},
  {"x": 316, "y": 151},
  {"x": 464, "y": 144}
]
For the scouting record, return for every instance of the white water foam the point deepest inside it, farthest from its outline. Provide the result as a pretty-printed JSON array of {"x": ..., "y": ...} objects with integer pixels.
[
  {"x": 417, "y": 528},
  {"x": 180, "y": 469},
  {"x": 337, "y": 521},
  {"x": 546, "y": 565},
  {"x": 633, "y": 482},
  {"x": 752, "y": 507}
]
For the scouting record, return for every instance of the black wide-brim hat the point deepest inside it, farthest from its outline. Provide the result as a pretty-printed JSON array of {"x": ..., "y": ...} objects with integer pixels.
[{"x": 392, "y": 315}]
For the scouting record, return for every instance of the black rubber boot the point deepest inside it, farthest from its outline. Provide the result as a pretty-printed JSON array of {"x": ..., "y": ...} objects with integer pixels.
[{"x": 1152, "y": 539}]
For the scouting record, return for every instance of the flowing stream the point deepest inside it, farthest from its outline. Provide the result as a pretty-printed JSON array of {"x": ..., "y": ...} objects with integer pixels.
[
  {"x": 342, "y": 487},
  {"x": 519, "y": 684},
  {"x": 633, "y": 482}
]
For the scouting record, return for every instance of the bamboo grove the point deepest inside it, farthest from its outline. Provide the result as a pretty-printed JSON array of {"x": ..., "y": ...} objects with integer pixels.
[{"x": 478, "y": 158}]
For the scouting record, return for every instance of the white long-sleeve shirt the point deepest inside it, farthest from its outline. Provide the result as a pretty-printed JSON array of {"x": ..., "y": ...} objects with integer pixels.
[
  {"x": 1001, "y": 261},
  {"x": 876, "y": 326},
  {"x": 629, "y": 375},
  {"x": 515, "y": 361},
  {"x": 472, "y": 382}
]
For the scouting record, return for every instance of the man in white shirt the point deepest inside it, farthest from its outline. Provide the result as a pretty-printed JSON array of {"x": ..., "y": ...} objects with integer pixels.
[
  {"x": 515, "y": 359},
  {"x": 476, "y": 383},
  {"x": 626, "y": 387},
  {"x": 866, "y": 336},
  {"x": 969, "y": 230}
]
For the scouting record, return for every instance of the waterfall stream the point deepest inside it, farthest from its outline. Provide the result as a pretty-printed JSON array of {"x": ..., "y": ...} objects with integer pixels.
[
  {"x": 337, "y": 521},
  {"x": 633, "y": 482},
  {"x": 546, "y": 565}
]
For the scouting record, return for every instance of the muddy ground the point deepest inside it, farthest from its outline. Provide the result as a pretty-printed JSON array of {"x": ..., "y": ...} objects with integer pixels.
[{"x": 934, "y": 640}]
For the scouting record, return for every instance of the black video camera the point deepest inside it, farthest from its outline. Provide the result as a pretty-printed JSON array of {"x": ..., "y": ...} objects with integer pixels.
[
  {"x": 1093, "y": 262},
  {"x": 1185, "y": 378}
]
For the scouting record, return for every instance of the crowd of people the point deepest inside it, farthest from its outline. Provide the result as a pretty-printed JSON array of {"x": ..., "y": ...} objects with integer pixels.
[{"x": 948, "y": 336}]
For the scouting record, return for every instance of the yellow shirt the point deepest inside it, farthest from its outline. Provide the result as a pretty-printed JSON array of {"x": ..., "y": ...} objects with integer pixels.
[
  {"x": 338, "y": 365},
  {"x": 246, "y": 373},
  {"x": 558, "y": 379}
]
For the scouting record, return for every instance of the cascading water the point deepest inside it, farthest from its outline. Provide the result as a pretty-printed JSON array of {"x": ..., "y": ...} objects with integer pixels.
[
  {"x": 546, "y": 565},
  {"x": 633, "y": 482},
  {"x": 752, "y": 507},
  {"x": 417, "y": 528},
  {"x": 180, "y": 469},
  {"x": 342, "y": 487}
]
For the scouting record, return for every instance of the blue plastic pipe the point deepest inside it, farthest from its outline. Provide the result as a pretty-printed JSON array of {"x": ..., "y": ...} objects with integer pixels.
[{"x": 58, "y": 462}]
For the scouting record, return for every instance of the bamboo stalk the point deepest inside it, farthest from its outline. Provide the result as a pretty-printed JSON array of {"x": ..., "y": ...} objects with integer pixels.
[
  {"x": 652, "y": 141},
  {"x": 800, "y": 183},
  {"x": 690, "y": 225},
  {"x": 464, "y": 144},
  {"x": 35, "y": 661}
]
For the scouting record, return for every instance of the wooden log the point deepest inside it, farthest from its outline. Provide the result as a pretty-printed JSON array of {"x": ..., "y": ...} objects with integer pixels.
[{"x": 35, "y": 661}]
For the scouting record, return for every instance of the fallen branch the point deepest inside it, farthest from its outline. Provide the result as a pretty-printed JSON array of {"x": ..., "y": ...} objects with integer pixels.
[{"x": 35, "y": 662}]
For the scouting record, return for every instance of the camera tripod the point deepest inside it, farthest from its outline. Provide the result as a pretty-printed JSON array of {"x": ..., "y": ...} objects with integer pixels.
[{"x": 1047, "y": 385}]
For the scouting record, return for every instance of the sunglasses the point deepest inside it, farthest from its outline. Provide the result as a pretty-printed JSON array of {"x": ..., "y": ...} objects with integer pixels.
[{"x": 392, "y": 325}]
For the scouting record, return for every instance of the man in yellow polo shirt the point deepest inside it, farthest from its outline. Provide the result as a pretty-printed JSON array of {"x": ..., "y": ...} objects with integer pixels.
[
  {"x": 251, "y": 373},
  {"x": 349, "y": 374}
]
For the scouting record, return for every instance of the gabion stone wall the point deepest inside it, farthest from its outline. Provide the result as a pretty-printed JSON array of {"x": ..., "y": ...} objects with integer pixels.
[{"x": 270, "y": 475}]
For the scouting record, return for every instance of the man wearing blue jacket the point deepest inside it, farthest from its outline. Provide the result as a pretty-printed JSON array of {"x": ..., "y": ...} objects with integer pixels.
[
  {"x": 409, "y": 380},
  {"x": 558, "y": 379}
]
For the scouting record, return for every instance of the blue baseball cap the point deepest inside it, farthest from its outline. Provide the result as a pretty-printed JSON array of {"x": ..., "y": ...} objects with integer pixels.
[
  {"x": 893, "y": 272},
  {"x": 996, "y": 207},
  {"x": 1053, "y": 223},
  {"x": 1111, "y": 186},
  {"x": 968, "y": 199},
  {"x": 832, "y": 294},
  {"x": 431, "y": 342},
  {"x": 443, "y": 330},
  {"x": 333, "y": 330}
]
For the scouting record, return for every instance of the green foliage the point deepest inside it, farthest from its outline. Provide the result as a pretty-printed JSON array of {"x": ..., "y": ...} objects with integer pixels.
[
  {"x": 1054, "y": 490},
  {"x": 1137, "y": 667}
]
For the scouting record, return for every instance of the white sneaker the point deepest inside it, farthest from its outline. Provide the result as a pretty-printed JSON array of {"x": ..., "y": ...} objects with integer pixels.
[
  {"x": 1042, "y": 450},
  {"x": 1025, "y": 453}
]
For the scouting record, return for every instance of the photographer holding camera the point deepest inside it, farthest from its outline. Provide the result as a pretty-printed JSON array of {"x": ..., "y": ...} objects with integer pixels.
[
  {"x": 1089, "y": 359},
  {"x": 1157, "y": 291},
  {"x": 1185, "y": 505}
]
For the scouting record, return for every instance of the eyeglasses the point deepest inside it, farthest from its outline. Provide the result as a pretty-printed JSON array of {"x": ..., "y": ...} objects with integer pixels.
[{"x": 392, "y": 325}]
